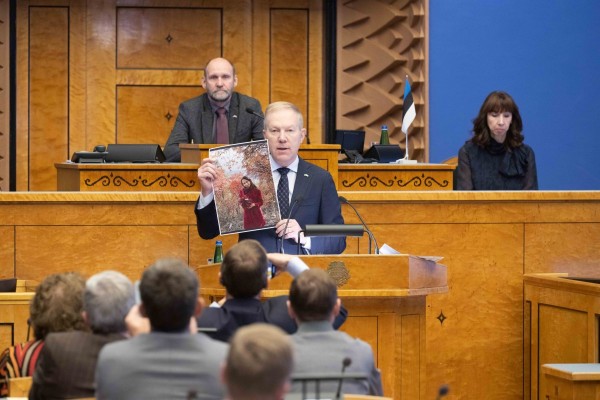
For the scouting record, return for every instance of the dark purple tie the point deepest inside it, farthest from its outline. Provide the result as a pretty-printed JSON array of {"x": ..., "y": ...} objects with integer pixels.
[
  {"x": 283, "y": 193},
  {"x": 222, "y": 130}
]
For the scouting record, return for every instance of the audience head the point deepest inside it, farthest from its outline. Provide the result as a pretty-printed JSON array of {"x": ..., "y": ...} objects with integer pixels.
[
  {"x": 107, "y": 299},
  {"x": 58, "y": 304},
  {"x": 313, "y": 296},
  {"x": 169, "y": 293},
  {"x": 244, "y": 269},
  {"x": 498, "y": 105},
  {"x": 284, "y": 131},
  {"x": 219, "y": 79},
  {"x": 259, "y": 363}
]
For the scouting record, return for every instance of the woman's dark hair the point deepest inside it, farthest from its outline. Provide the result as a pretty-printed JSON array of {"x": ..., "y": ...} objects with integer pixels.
[
  {"x": 57, "y": 305},
  {"x": 245, "y": 178},
  {"x": 498, "y": 102}
]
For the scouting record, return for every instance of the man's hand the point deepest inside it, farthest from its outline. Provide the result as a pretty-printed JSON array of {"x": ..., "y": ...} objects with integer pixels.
[
  {"x": 280, "y": 261},
  {"x": 291, "y": 231},
  {"x": 136, "y": 323},
  {"x": 207, "y": 173}
]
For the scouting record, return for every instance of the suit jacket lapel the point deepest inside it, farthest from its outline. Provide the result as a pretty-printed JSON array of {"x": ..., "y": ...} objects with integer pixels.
[
  {"x": 303, "y": 180},
  {"x": 234, "y": 115},
  {"x": 207, "y": 121}
]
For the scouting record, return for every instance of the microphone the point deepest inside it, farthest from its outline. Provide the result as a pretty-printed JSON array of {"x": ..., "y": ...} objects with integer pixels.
[
  {"x": 297, "y": 201},
  {"x": 442, "y": 391},
  {"x": 343, "y": 200},
  {"x": 251, "y": 111},
  {"x": 345, "y": 364}
]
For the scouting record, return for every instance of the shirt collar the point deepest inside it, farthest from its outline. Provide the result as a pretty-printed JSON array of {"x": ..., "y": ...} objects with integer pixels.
[
  {"x": 315, "y": 326},
  {"x": 293, "y": 166}
]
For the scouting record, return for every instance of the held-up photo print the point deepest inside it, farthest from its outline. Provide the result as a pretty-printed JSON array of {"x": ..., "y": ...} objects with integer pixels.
[{"x": 245, "y": 195}]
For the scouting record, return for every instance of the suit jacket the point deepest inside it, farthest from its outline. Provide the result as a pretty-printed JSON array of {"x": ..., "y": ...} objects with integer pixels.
[
  {"x": 67, "y": 365},
  {"x": 195, "y": 122},
  {"x": 236, "y": 313},
  {"x": 161, "y": 365},
  {"x": 318, "y": 349},
  {"x": 314, "y": 201}
]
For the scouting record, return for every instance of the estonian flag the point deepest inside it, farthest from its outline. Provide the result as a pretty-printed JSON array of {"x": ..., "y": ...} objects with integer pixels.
[{"x": 409, "y": 111}]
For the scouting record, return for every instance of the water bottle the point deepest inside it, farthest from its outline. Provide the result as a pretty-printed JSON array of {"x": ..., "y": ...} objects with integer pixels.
[
  {"x": 218, "y": 257},
  {"x": 385, "y": 138}
]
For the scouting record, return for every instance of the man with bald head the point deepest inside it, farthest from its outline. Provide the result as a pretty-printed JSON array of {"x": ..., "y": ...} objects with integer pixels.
[{"x": 217, "y": 116}]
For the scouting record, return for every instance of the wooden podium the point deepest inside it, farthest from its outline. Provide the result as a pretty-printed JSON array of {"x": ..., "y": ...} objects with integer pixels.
[{"x": 386, "y": 300}]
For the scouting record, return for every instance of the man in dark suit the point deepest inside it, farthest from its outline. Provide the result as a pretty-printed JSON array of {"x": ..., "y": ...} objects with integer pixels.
[
  {"x": 244, "y": 276},
  {"x": 312, "y": 197},
  {"x": 169, "y": 362},
  {"x": 67, "y": 362},
  {"x": 198, "y": 118}
]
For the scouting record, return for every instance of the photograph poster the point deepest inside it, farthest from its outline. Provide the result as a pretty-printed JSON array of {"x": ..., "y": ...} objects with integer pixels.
[{"x": 245, "y": 195}]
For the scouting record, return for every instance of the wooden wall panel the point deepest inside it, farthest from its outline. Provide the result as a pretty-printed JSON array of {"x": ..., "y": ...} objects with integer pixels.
[
  {"x": 146, "y": 114},
  {"x": 166, "y": 38},
  {"x": 124, "y": 248},
  {"x": 48, "y": 93},
  {"x": 7, "y": 252},
  {"x": 289, "y": 57},
  {"x": 5, "y": 93},
  {"x": 553, "y": 344},
  {"x": 288, "y": 38},
  {"x": 548, "y": 250}
]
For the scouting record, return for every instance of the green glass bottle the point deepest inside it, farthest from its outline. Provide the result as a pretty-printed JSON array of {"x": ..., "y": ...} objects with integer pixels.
[
  {"x": 385, "y": 137},
  {"x": 218, "y": 257}
]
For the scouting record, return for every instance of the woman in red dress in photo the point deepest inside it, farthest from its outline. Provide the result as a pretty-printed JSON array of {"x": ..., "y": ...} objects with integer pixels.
[{"x": 251, "y": 201}]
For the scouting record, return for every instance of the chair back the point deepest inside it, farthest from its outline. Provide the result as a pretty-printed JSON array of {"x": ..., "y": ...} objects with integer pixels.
[{"x": 19, "y": 387}]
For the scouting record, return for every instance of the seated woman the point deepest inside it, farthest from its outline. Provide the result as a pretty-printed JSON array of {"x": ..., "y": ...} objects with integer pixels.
[
  {"x": 496, "y": 158},
  {"x": 251, "y": 201},
  {"x": 56, "y": 307}
]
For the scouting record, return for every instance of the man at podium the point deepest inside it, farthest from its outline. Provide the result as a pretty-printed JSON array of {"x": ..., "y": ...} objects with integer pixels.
[{"x": 306, "y": 193}]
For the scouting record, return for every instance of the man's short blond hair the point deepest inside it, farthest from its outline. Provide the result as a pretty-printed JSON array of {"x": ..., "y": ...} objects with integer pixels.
[
  {"x": 284, "y": 105},
  {"x": 259, "y": 363}
]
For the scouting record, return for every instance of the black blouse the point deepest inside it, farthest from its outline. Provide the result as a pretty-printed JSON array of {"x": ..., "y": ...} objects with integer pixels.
[{"x": 495, "y": 168}]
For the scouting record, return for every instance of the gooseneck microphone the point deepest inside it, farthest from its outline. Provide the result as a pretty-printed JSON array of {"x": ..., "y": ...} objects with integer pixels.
[
  {"x": 294, "y": 203},
  {"x": 345, "y": 364},
  {"x": 251, "y": 111},
  {"x": 343, "y": 200}
]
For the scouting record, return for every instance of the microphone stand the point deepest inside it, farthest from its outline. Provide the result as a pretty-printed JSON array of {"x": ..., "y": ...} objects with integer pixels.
[{"x": 371, "y": 236}]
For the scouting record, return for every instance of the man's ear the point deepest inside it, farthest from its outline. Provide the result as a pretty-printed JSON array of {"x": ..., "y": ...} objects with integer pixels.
[
  {"x": 235, "y": 81},
  {"x": 337, "y": 307},
  {"x": 143, "y": 310},
  {"x": 199, "y": 306},
  {"x": 291, "y": 310},
  {"x": 222, "y": 373},
  {"x": 203, "y": 82},
  {"x": 84, "y": 315}
]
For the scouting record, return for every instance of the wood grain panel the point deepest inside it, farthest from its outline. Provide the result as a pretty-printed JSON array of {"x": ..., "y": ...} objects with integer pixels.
[
  {"x": 553, "y": 344},
  {"x": 165, "y": 38},
  {"x": 146, "y": 114},
  {"x": 6, "y": 334},
  {"x": 5, "y": 94},
  {"x": 289, "y": 57},
  {"x": 296, "y": 52},
  {"x": 128, "y": 249},
  {"x": 7, "y": 252},
  {"x": 48, "y": 93},
  {"x": 547, "y": 250}
]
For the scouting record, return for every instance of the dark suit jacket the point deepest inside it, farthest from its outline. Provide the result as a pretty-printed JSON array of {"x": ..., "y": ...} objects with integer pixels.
[
  {"x": 195, "y": 122},
  {"x": 236, "y": 313},
  {"x": 314, "y": 201},
  {"x": 67, "y": 365}
]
